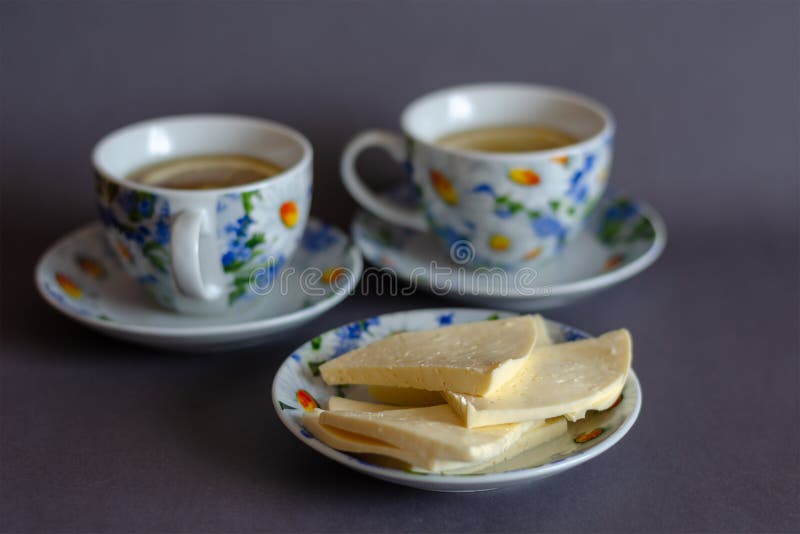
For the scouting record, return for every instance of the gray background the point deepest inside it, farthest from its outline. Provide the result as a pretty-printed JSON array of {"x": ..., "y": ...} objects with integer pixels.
[{"x": 98, "y": 435}]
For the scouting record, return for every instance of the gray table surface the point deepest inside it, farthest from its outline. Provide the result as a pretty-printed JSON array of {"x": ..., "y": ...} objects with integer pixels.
[{"x": 98, "y": 435}]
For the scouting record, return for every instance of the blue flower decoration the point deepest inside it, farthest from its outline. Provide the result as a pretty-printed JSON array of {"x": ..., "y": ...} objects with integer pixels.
[
  {"x": 446, "y": 319},
  {"x": 449, "y": 234},
  {"x": 484, "y": 188},
  {"x": 264, "y": 277},
  {"x": 162, "y": 231},
  {"x": 588, "y": 163},
  {"x": 319, "y": 238},
  {"x": 621, "y": 211}
]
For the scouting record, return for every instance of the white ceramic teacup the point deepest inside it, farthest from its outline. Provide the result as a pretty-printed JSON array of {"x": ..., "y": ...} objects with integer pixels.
[
  {"x": 203, "y": 251},
  {"x": 493, "y": 209}
]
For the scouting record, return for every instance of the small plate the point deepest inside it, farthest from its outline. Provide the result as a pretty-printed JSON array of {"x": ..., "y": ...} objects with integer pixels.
[
  {"x": 298, "y": 378},
  {"x": 80, "y": 277},
  {"x": 622, "y": 238}
]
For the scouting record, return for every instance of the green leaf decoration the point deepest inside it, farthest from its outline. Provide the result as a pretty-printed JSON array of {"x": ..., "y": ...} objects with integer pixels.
[
  {"x": 236, "y": 294},
  {"x": 247, "y": 200},
  {"x": 233, "y": 266},
  {"x": 255, "y": 240},
  {"x": 493, "y": 317},
  {"x": 285, "y": 406},
  {"x": 314, "y": 367},
  {"x": 156, "y": 254},
  {"x": 554, "y": 204},
  {"x": 534, "y": 214},
  {"x": 316, "y": 343},
  {"x": 642, "y": 230},
  {"x": 341, "y": 390},
  {"x": 502, "y": 199},
  {"x": 571, "y": 211},
  {"x": 609, "y": 232},
  {"x": 514, "y": 207}
]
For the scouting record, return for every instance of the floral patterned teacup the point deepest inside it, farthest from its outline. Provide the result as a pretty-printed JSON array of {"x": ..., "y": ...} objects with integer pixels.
[
  {"x": 204, "y": 251},
  {"x": 493, "y": 209}
]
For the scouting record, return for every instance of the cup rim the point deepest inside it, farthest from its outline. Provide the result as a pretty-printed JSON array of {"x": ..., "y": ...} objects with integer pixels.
[
  {"x": 290, "y": 132},
  {"x": 608, "y": 129}
]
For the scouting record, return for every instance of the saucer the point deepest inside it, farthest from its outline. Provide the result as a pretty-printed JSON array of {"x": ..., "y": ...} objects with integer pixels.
[
  {"x": 80, "y": 277},
  {"x": 298, "y": 387},
  {"x": 622, "y": 238}
]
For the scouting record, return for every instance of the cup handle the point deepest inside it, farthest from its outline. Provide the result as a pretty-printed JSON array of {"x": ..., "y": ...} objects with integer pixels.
[
  {"x": 381, "y": 207},
  {"x": 185, "y": 254}
]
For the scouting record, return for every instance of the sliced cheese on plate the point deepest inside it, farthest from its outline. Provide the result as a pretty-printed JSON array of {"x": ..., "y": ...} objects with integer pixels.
[
  {"x": 433, "y": 432},
  {"x": 473, "y": 358},
  {"x": 565, "y": 379}
]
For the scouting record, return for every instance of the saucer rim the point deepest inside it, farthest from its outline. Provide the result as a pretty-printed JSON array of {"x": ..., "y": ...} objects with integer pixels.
[
  {"x": 583, "y": 285},
  {"x": 205, "y": 331}
]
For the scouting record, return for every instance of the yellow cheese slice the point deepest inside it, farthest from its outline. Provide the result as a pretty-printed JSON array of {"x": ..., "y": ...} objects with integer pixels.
[
  {"x": 565, "y": 379},
  {"x": 434, "y": 432},
  {"x": 475, "y": 358},
  {"x": 345, "y": 404},
  {"x": 405, "y": 396},
  {"x": 351, "y": 442},
  {"x": 421, "y": 397}
]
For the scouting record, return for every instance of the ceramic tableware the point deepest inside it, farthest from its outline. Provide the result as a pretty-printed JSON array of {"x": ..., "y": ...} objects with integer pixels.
[
  {"x": 202, "y": 251},
  {"x": 80, "y": 276},
  {"x": 622, "y": 238},
  {"x": 511, "y": 209},
  {"x": 297, "y": 387}
]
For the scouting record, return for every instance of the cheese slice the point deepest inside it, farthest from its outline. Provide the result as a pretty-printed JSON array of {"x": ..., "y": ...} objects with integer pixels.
[
  {"x": 351, "y": 442},
  {"x": 433, "y": 433},
  {"x": 405, "y": 396},
  {"x": 475, "y": 358},
  {"x": 421, "y": 397},
  {"x": 533, "y": 437},
  {"x": 351, "y": 405},
  {"x": 565, "y": 379}
]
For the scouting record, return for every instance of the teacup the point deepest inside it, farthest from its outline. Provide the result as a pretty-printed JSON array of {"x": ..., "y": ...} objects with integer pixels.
[
  {"x": 204, "y": 251},
  {"x": 505, "y": 209}
]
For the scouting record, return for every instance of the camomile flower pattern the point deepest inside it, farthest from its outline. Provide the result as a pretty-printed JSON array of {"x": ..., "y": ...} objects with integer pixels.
[
  {"x": 512, "y": 211},
  {"x": 259, "y": 229},
  {"x": 254, "y": 232}
]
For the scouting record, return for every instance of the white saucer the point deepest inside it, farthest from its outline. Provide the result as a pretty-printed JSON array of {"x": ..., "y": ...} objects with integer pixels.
[
  {"x": 80, "y": 277},
  {"x": 298, "y": 386},
  {"x": 622, "y": 238}
]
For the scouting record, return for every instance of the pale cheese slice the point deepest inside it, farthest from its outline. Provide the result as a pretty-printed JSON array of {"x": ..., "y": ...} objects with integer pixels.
[
  {"x": 534, "y": 437},
  {"x": 433, "y": 432},
  {"x": 421, "y": 397},
  {"x": 356, "y": 443},
  {"x": 405, "y": 396},
  {"x": 352, "y": 405},
  {"x": 565, "y": 379},
  {"x": 475, "y": 358}
]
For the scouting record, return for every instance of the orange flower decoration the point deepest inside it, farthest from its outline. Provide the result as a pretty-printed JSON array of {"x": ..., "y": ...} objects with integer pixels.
[
  {"x": 562, "y": 160},
  {"x": 444, "y": 187},
  {"x": 499, "y": 242},
  {"x": 69, "y": 287},
  {"x": 289, "y": 214},
  {"x": 124, "y": 251},
  {"x": 332, "y": 274},
  {"x": 613, "y": 262},
  {"x": 524, "y": 177},
  {"x": 306, "y": 400},
  {"x": 533, "y": 254},
  {"x": 91, "y": 267}
]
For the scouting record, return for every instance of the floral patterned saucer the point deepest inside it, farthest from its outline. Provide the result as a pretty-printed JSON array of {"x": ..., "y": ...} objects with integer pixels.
[
  {"x": 298, "y": 386},
  {"x": 80, "y": 277},
  {"x": 622, "y": 238}
]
